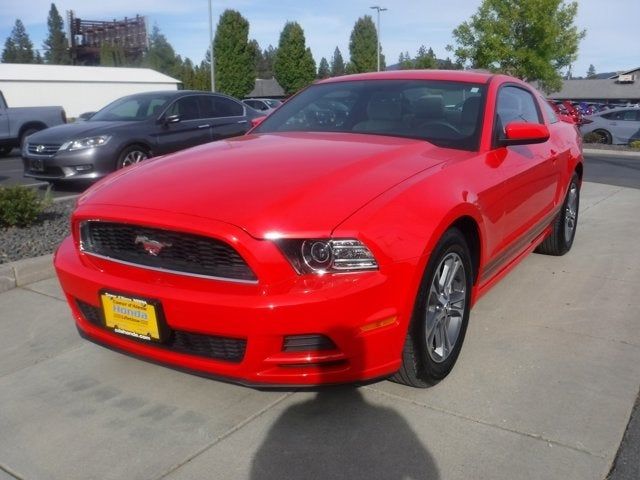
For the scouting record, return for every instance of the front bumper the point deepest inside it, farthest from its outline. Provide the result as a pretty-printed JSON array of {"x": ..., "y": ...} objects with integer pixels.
[
  {"x": 362, "y": 314},
  {"x": 86, "y": 164}
]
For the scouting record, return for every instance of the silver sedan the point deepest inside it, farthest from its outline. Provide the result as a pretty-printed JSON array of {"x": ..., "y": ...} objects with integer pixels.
[{"x": 617, "y": 126}]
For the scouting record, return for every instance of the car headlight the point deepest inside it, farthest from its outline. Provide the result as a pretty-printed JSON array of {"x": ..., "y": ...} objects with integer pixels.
[
  {"x": 88, "y": 142},
  {"x": 328, "y": 255}
]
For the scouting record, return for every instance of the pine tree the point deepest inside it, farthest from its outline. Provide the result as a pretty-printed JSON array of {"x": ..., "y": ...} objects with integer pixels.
[
  {"x": 405, "y": 62},
  {"x": 363, "y": 46},
  {"x": 18, "y": 48},
  {"x": 323, "y": 69},
  {"x": 294, "y": 65},
  {"x": 337, "y": 64},
  {"x": 265, "y": 63},
  {"x": 591, "y": 73},
  {"x": 55, "y": 46},
  {"x": 256, "y": 56},
  {"x": 425, "y": 59},
  {"x": 235, "y": 61},
  {"x": 160, "y": 56}
]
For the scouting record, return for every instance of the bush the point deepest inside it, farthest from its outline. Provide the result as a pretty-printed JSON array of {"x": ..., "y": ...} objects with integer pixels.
[
  {"x": 635, "y": 144},
  {"x": 19, "y": 206},
  {"x": 592, "y": 137}
]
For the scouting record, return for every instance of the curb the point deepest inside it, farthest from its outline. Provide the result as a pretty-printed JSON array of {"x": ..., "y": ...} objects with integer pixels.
[
  {"x": 610, "y": 153},
  {"x": 23, "y": 272}
]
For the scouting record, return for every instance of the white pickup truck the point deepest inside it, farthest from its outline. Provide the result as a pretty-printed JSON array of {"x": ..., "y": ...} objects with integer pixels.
[{"x": 16, "y": 124}]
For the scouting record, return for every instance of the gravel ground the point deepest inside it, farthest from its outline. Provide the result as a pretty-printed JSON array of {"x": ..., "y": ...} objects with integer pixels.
[{"x": 41, "y": 238}]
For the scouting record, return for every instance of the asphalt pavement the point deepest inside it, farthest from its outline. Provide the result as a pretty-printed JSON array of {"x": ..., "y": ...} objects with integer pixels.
[{"x": 543, "y": 389}]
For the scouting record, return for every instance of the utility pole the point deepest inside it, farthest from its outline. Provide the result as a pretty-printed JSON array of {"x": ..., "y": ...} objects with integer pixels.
[
  {"x": 213, "y": 77},
  {"x": 379, "y": 9}
]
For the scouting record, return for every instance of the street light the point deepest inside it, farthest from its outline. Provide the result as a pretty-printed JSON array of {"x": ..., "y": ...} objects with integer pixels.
[
  {"x": 379, "y": 9},
  {"x": 213, "y": 78}
]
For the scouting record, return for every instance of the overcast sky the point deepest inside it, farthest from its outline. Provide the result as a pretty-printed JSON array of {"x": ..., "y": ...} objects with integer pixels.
[{"x": 612, "y": 42}]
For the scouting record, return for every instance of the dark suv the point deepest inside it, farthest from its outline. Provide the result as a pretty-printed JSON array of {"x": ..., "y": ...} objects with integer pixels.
[{"x": 132, "y": 129}]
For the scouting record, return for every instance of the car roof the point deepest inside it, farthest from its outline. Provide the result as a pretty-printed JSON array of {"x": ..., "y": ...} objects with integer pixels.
[{"x": 470, "y": 76}]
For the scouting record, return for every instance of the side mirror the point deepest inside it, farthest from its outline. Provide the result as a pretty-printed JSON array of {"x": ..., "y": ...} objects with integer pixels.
[
  {"x": 522, "y": 133},
  {"x": 171, "y": 119},
  {"x": 257, "y": 121}
]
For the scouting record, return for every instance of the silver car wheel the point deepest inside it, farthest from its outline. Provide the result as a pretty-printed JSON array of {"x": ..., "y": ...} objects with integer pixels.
[
  {"x": 446, "y": 304},
  {"x": 134, "y": 156},
  {"x": 571, "y": 212}
]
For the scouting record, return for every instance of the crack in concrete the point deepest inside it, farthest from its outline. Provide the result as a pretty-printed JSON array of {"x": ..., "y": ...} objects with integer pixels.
[
  {"x": 27, "y": 289},
  {"x": 534, "y": 436},
  {"x": 226, "y": 434}
]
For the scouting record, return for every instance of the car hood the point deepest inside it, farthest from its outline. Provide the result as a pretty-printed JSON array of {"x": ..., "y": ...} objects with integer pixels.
[
  {"x": 72, "y": 131},
  {"x": 293, "y": 184}
]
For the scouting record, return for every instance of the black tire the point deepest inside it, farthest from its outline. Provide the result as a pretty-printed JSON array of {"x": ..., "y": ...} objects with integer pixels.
[
  {"x": 419, "y": 369},
  {"x": 26, "y": 133},
  {"x": 561, "y": 239},
  {"x": 605, "y": 137},
  {"x": 131, "y": 155},
  {"x": 4, "y": 151}
]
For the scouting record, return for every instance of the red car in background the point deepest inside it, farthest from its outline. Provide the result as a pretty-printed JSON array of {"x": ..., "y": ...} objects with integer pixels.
[{"x": 343, "y": 239}]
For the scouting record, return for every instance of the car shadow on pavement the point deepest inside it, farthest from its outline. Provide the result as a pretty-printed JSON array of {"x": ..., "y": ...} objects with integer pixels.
[{"x": 339, "y": 435}]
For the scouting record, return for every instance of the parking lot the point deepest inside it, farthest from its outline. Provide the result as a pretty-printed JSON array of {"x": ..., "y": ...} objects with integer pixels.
[{"x": 543, "y": 389}]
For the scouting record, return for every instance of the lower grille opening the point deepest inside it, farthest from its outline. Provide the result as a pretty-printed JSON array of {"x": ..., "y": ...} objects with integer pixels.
[
  {"x": 304, "y": 343},
  {"x": 210, "y": 346}
]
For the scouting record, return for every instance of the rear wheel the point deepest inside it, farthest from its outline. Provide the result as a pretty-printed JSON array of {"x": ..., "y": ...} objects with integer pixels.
[
  {"x": 564, "y": 226},
  {"x": 132, "y": 155},
  {"x": 440, "y": 316},
  {"x": 604, "y": 137}
]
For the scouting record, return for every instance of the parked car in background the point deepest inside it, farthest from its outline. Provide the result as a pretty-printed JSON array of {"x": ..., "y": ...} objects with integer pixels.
[
  {"x": 133, "y": 129},
  {"x": 17, "y": 123},
  {"x": 264, "y": 105},
  {"x": 618, "y": 126},
  {"x": 343, "y": 239},
  {"x": 83, "y": 117}
]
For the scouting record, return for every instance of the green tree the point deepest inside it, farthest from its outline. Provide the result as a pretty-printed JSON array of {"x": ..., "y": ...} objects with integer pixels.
[
  {"x": 529, "y": 39},
  {"x": 591, "y": 73},
  {"x": 323, "y": 69},
  {"x": 235, "y": 66},
  {"x": 405, "y": 62},
  {"x": 18, "y": 47},
  {"x": 337, "y": 63},
  {"x": 56, "y": 48},
  {"x": 161, "y": 56},
  {"x": 294, "y": 66},
  {"x": 256, "y": 56},
  {"x": 363, "y": 47},
  {"x": 425, "y": 59},
  {"x": 265, "y": 62}
]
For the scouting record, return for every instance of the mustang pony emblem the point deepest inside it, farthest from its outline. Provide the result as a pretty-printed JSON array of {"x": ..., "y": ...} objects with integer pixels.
[{"x": 152, "y": 247}]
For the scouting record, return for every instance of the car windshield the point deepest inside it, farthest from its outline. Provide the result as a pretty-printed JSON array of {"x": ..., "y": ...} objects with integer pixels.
[
  {"x": 132, "y": 109},
  {"x": 444, "y": 113}
]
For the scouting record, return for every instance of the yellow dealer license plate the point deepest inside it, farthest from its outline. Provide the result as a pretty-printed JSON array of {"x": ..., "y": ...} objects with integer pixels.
[{"x": 131, "y": 316}]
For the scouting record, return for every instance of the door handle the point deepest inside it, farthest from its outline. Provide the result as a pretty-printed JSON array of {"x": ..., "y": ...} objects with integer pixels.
[
  {"x": 204, "y": 126},
  {"x": 242, "y": 121}
]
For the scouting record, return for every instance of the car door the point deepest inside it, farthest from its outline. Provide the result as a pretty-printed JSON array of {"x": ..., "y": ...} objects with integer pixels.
[
  {"x": 624, "y": 125},
  {"x": 529, "y": 173},
  {"x": 229, "y": 117},
  {"x": 4, "y": 119},
  {"x": 183, "y": 126}
]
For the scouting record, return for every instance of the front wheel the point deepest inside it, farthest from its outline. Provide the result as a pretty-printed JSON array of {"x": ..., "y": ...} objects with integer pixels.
[
  {"x": 132, "y": 155},
  {"x": 604, "y": 137},
  {"x": 564, "y": 226},
  {"x": 440, "y": 316}
]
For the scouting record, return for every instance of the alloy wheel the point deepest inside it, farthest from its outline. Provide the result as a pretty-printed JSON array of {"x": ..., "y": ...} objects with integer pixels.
[
  {"x": 134, "y": 156},
  {"x": 571, "y": 212}
]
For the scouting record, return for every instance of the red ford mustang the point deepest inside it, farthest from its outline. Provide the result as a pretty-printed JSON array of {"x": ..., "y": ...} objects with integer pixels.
[{"x": 344, "y": 239}]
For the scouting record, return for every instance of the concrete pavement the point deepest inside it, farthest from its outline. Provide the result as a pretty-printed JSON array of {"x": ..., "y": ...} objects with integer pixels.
[{"x": 543, "y": 389}]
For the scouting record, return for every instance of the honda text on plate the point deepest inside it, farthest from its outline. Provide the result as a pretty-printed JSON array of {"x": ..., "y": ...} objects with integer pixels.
[{"x": 343, "y": 239}]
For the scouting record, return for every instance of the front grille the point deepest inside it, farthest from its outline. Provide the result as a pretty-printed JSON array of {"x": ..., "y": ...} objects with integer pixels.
[
  {"x": 210, "y": 346},
  {"x": 43, "y": 148},
  {"x": 165, "y": 250}
]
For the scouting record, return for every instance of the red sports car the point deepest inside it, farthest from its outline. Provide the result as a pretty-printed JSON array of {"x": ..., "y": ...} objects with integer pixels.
[{"x": 344, "y": 239}]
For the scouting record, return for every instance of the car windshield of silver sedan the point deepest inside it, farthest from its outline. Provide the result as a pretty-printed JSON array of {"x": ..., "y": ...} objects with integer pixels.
[
  {"x": 133, "y": 108},
  {"x": 447, "y": 114}
]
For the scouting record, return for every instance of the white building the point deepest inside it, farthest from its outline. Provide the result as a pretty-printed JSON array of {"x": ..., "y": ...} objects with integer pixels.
[{"x": 76, "y": 89}]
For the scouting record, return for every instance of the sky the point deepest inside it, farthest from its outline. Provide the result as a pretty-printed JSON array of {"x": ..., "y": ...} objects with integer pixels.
[{"x": 612, "y": 42}]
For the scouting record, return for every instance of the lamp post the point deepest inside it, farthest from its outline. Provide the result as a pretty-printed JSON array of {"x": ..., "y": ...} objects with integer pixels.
[
  {"x": 213, "y": 77},
  {"x": 379, "y": 9}
]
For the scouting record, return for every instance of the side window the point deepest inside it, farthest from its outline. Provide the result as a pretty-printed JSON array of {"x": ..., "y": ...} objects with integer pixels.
[
  {"x": 515, "y": 105},
  {"x": 225, "y": 107},
  {"x": 553, "y": 118},
  {"x": 207, "y": 106},
  {"x": 608, "y": 116},
  {"x": 256, "y": 104},
  {"x": 629, "y": 115},
  {"x": 186, "y": 107}
]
